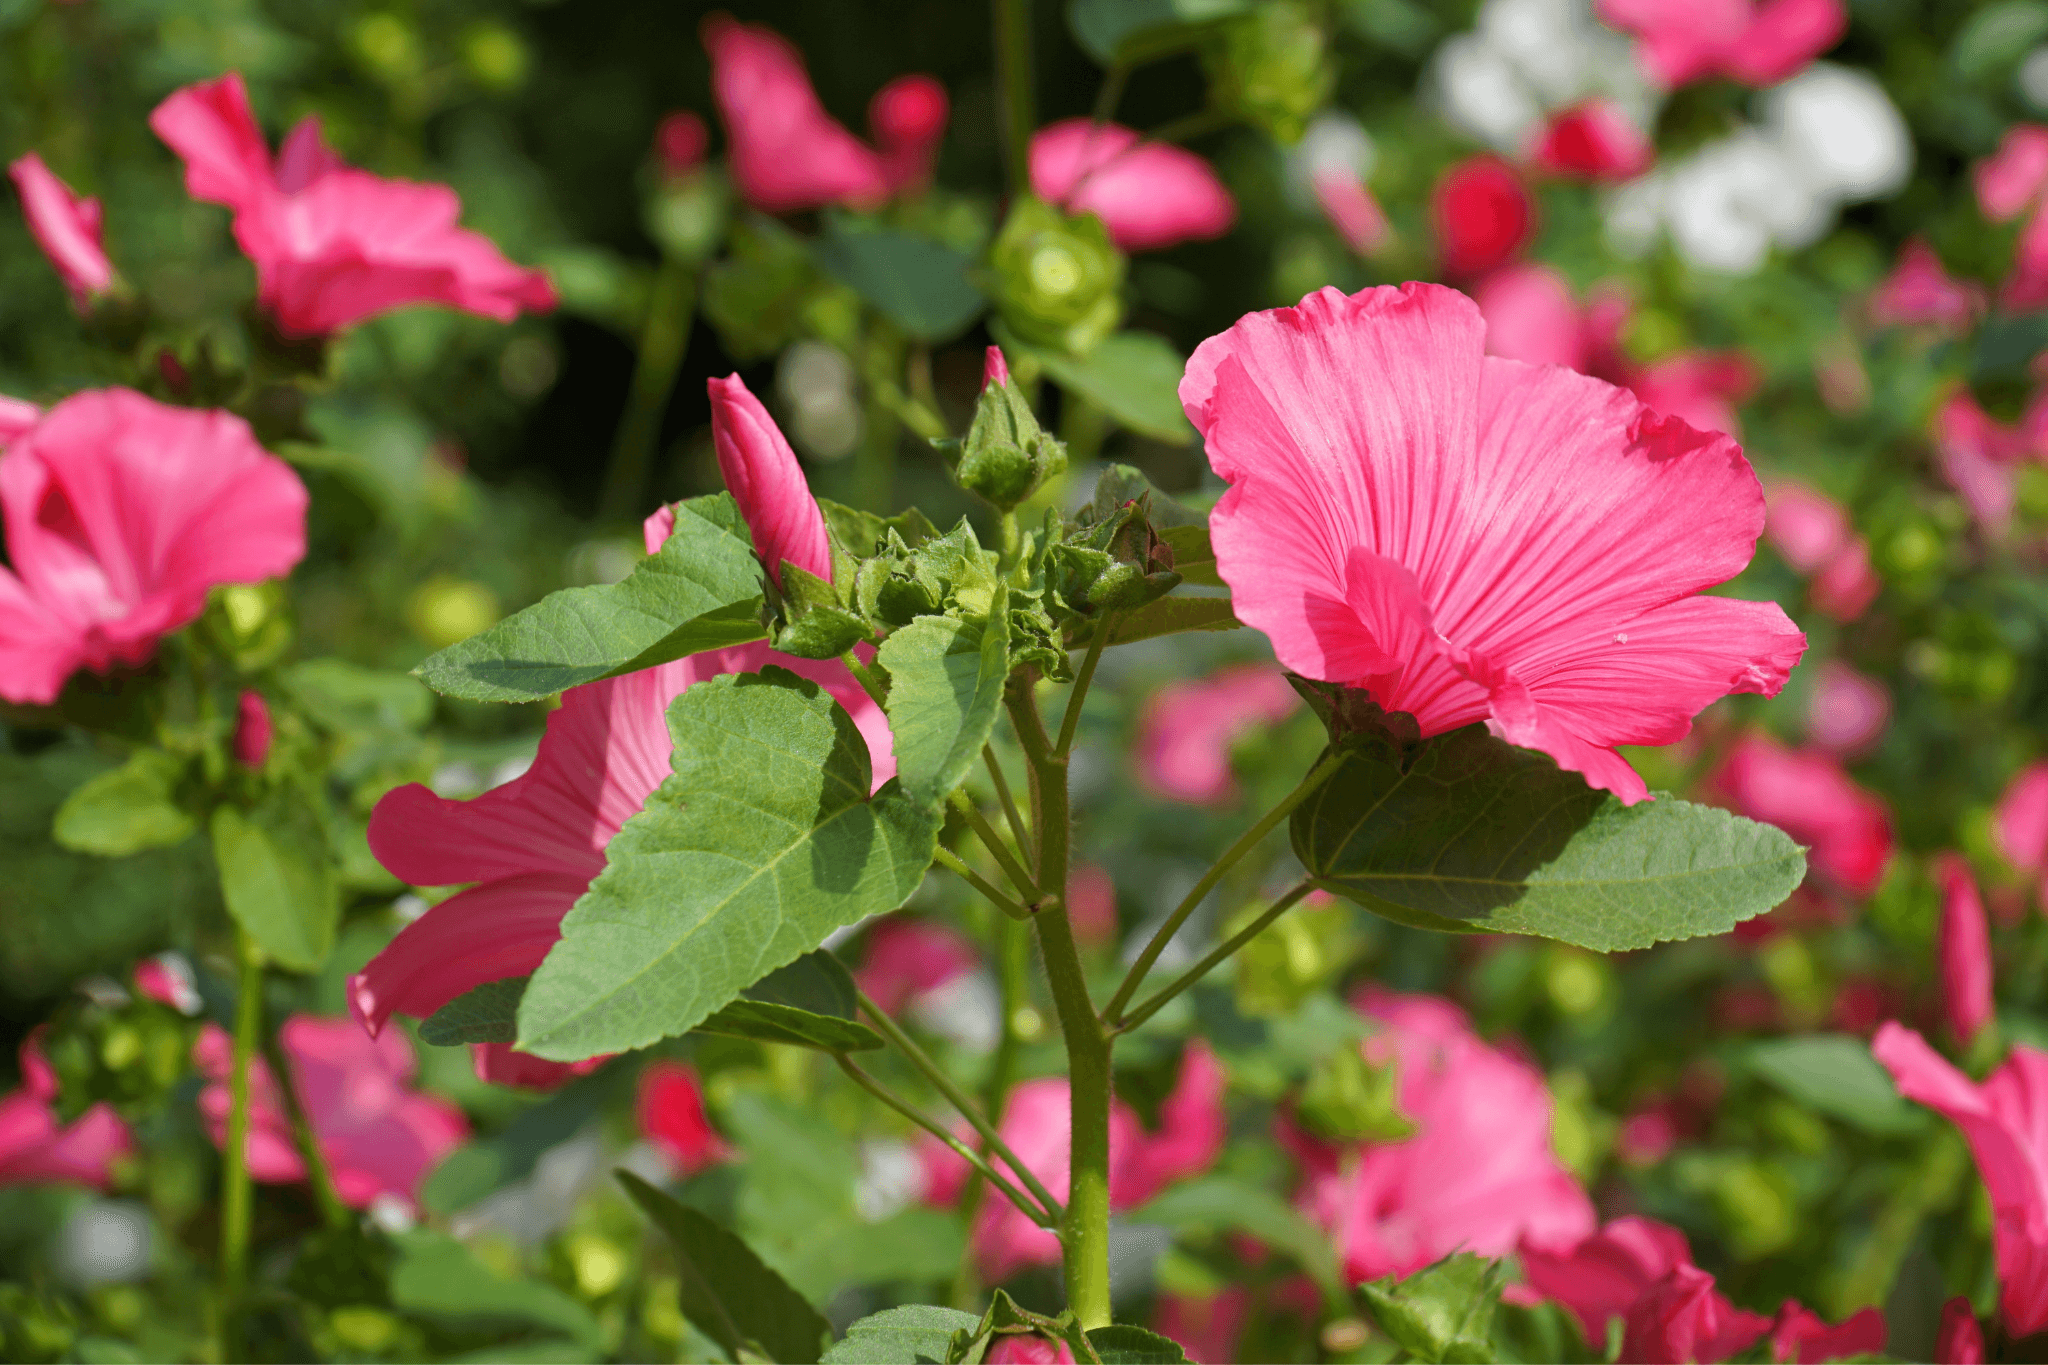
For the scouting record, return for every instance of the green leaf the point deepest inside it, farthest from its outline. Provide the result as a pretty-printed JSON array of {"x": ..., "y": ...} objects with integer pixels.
[
  {"x": 341, "y": 696},
  {"x": 1194, "y": 558},
  {"x": 1170, "y": 616},
  {"x": 702, "y": 590},
  {"x": 439, "y": 1278},
  {"x": 277, "y": 876},
  {"x": 483, "y": 1014},
  {"x": 914, "y": 1334},
  {"x": 1135, "y": 378},
  {"x": 1442, "y": 1313},
  {"x": 809, "y": 1003},
  {"x": 917, "y": 283},
  {"x": 1997, "y": 37},
  {"x": 1121, "y": 1343},
  {"x": 945, "y": 693},
  {"x": 1214, "y": 1204},
  {"x": 1465, "y": 832},
  {"x": 727, "y": 1293},
  {"x": 1835, "y": 1074},
  {"x": 761, "y": 842},
  {"x": 125, "y": 811},
  {"x": 1131, "y": 29}
]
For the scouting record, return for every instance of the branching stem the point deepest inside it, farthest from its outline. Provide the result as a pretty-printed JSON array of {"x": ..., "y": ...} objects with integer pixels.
[
  {"x": 1209, "y": 964},
  {"x": 947, "y": 859},
  {"x": 1044, "y": 1217},
  {"x": 1008, "y": 861}
]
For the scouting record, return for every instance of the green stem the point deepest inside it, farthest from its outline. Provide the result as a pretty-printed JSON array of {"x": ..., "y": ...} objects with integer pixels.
[
  {"x": 865, "y": 678},
  {"x": 1045, "y": 1218},
  {"x": 1008, "y": 541},
  {"x": 664, "y": 337},
  {"x": 946, "y": 859},
  {"x": 1250, "y": 840},
  {"x": 1009, "y": 802},
  {"x": 1012, "y": 867},
  {"x": 1208, "y": 964},
  {"x": 1070, "y": 719},
  {"x": 1013, "y": 986},
  {"x": 1014, "y": 92},
  {"x": 1111, "y": 91},
  {"x": 235, "y": 1201}
]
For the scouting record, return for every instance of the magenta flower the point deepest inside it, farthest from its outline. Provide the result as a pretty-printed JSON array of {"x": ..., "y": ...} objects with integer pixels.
[
  {"x": 1963, "y": 947},
  {"x": 1207, "y": 1328},
  {"x": 253, "y": 730},
  {"x": 1398, "y": 520},
  {"x": 680, "y": 141},
  {"x": 1805, "y": 793},
  {"x": 2019, "y": 825},
  {"x": 2010, "y": 180},
  {"x": 1028, "y": 1348},
  {"x": 333, "y": 245},
  {"x": 121, "y": 515},
  {"x": 503, "y": 1064},
  {"x": 1593, "y": 140},
  {"x": 1921, "y": 293},
  {"x": 908, "y": 119},
  {"x": 1811, "y": 532},
  {"x": 1959, "y": 1340},
  {"x": 1479, "y": 1174},
  {"x": 1699, "y": 388},
  {"x": 35, "y": 1149},
  {"x": 2005, "y": 1121},
  {"x": 767, "y": 482},
  {"x": 1681, "y": 41},
  {"x": 911, "y": 958},
  {"x": 1187, "y": 730},
  {"x": 1531, "y": 316},
  {"x": 16, "y": 417},
  {"x": 1148, "y": 194},
  {"x": 1980, "y": 457},
  {"x": 1800, "y": 1336},
  {"x": 66, "y": 227},
  {"x": 167, "y": 979},
  {"x": 671, "y": 1113},
  {"x": 1482, "y": 215},
  {"x": 1848, "y": 711}
]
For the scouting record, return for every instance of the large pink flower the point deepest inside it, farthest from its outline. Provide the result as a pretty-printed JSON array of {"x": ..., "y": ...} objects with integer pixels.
[
  {"x": 66, "y": 227},
  {"x": 333, "y": 245},
  {"x": 35, "y": 1149},
  {"x": 767, "y": 483},
  {"x": 1680, "y": 41},
  {"x": 121, "y": 515},
  {"x": 1148, "y": 194},
  {"x": 1188, "y": 729},
  {"x": 1479, "y": 1173},
  {"x": 2005, "y": 1121},
  {"x": 1474, "y": 539},
  {"x": 1805, "y": 793}
]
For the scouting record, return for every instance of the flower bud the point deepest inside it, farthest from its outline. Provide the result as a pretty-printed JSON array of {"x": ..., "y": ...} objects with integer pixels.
[
  {"x": 680, "y": 141},
  {"x": 1959, "y": 1338},
  {"x": 1115, "y": 564},
  {"x": 1006, "y": 456},
  {"x": 1056, "y": 279},
  {"x": 1270, "y": 67},
  {"x": 1964, "y": 947},
  {"x": 253, "y": 731}
]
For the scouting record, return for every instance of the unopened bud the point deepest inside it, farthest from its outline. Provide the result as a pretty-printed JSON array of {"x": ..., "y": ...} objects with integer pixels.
[
  {"x": 680, "y": 141},
  {"x": 994, "y": 369},
  {"x": 1006, "y": 456},
  {"x": 1270, "y": 67},
  {"x": 1056, "y": 279},
  {"x": 253, "y": 731}
]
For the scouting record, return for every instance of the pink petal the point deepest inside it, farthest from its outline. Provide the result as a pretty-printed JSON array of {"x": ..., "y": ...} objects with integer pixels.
[
  {"x": 1683, "y": 1317},
  {"x": 271, "y": 1152},
  {"x": 765, "y": 479},
  {"x": 2027, "y": 286},
  {"x": 1603, "y": 1275},
  {"x": 672, "y": 1117},
  {"x": 210, "y": 126},
  {"x": 1481, "y": 214},
  {"x": 17, "y": 415},
  {"x": 1848, "y": 585},
  {"x": 1680, "y": 40},
  {"x": 680, "y": 141},
  {"x": 1963, "y": 947},
  {"x": 1921, "y": 292},
  {"x": 1531, "y": 315},
  {"x": 1148, "y": 194},
  {"x": 379, "y": 1136},
  {"x": 503, "y": 1064},
  {"x": 1798, "y": 1334},
  {"x": 1593, "y": 140},
  {"x": 304, "y": 157},
  {"x": 1848, "y": 711},
  {"x": 2019, "y": 826},
  {"x": 1806, "y": 793},
  {"x": 907, "y": 958},
  {"x": 1206, "y": 1328},
  {"x": 1192, "y": 1129},
  {"x": 1806, "y": 528},
  {"x": 1979, "y": 457},
  {"x": 1959, "y": 1340},
  {"x": 253, "y": 730},
  {"x": 908, "y": 119},
  {"x": 1783, "y": 38},
  {"x": 66, "y": 227},
  {"x": 1347, "y": 202},
  {"x": 2013, "y": 177},
  {"x": 38, "y": 648},
  {"x": 1700, "y": 388},
  {"x": 786, "y": 152},
  {"x": 1188, "y": 729}
]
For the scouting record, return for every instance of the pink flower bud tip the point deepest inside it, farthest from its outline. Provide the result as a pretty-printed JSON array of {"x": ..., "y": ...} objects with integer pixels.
[
  {"x": 680, "y": 141},
  {"x": 995, "y": 370},
  {"x": 253, "y": 730},
  {"x": 909, "y": 111}
]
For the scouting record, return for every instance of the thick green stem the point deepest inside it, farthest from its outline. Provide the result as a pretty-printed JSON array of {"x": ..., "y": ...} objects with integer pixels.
[
  {"x": 1014, "y": 89},
  {"x": 664, "y": 337},
  {"x": 1208, "y": 964},
  {"x": 235, "y": 1203}
]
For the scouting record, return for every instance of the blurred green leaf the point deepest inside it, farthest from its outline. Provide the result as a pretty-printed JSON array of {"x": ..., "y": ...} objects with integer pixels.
[
  {"x": 1835, "y": 1074},
  {"x": 912, "y": 1334},
  {"x": 1122, "y": 1343},
  {"x": 439, "y": 1278},
  {"x": 1135, "y": 378},
  {"x": 917, "y": 283},
  {"x": 277, "y": 876},
  {"x": 343, "y": 696},
  {"x": 1442, "y": 1313},
  {"x": 945, "y": 693},
  {"x": 1997, "y": 36},
  {"x": 1108, "y": 29},
  {"x": 1213, "y": 1204},
  {"x": 132, "y": 808},
  {"x": 727, "y": 1292},
  {"x": 483, "y": 1014},
  {"x": 701, "y": 591},
  {"x": 762, "y": 842}
]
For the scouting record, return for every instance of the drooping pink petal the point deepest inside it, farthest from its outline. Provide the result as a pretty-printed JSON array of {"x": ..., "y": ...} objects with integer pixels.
[
  {"x": 1188, "y": 729},
  {"x": 1806, "y": 528},
  {"x": 765, "y": 479},
  {"x": 1959, "y": 1340},
  {"x": 1347, "y": 202},
  {"x": 672, "y": 1117},
  {"x": 908, "y": 120},
  {"x": 1805, "y": 793},
  {"x": 908, "y": 958},
  {"x": 2019, "y": 826},
  {"x": 503, "y": 1064},
  {"x": 1963, "y": 947},
  {"x": 212, "y": 129},
  {"x": 1921, "y": 293},
  {"x": 66, "y": 227},
  {"x": 786, "y": 152},
  {"x": 1481, "y": 214},
  {"x": 1848, "y": 710},
  {"x": 380, "y": 1137},
  {"x": 1593, "y": 140},
  {"x": 1148, "y": 194},
  {"x": 2011, "y": 180}
]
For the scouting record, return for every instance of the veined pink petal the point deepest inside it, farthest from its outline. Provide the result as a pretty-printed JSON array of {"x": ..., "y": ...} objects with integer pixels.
[
  {"x": 212, "y": 129},
  {"x": 672, "y": 1117},
  {"x": 1187, "y": 730},
  {"x": 503, "y": 1064},
  {"x": 1593, "y": 140},
  {"x": 1481, "y": 213},
  {"x": 1963, "y": 946},
  {"x": 908, "y": 119},
  {"x": 786, "y": 152},
  {"x": 1848, "y": 711},
  {"x": 66, "y": 227},
  {"x": 2020, "y": 824},
  {"x": 2011, "y": 179},
  {"x": 1959, "y": 1340},
  {"x": 765, "y": 479},
  {"x": 1921, "y": 293},
  {"x": 1148, "y": 194}
]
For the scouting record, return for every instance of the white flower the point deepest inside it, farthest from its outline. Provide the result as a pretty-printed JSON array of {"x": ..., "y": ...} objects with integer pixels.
[
  {"x": 1842, "y": 129},
  {"x": 1525, "y": 58}
]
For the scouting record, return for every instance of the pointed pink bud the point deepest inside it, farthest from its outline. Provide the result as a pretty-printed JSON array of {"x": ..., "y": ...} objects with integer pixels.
[
  {"x": 1964, "y": 946},
  {"x": 253, "y": 730},
  {"x": 66, "y": 227},
  {"x": 672, "y": 1117},
  {"x": 1482, "y": 215},
  {"x": 995, "y": 371},
  {"x": 908, "y": 119},
  {"x": 680, "y": 141},
  {"x": 767, "y": 482},
  {"x": 1959, "y": 1340}
]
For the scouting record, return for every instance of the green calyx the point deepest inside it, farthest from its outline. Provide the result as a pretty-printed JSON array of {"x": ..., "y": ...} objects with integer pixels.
[
  {"x": 1270, "y": 68},
  {"x": 1056, "y": 280},
  {"x": 1006, "y": 456}
]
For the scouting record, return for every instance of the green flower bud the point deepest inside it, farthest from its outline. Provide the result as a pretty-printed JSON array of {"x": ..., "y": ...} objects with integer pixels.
[
  {"x": 687, "y": 214},
  {"x": 815, "y": 622},
  {"x": 1270, "y": 67},
  {"x": 1115, "y": 564},
  {"x": 1056, "y": 279},
  {"x": 1006, "y": 457},
  {"x": 1349, "y": 1100}
]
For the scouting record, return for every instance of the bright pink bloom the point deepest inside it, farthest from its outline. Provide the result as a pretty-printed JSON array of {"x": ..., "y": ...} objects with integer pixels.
[
  {"x": 1700, "y": 388},
  {"x": 786, "y": 152},
  {"x": 1681, "y": 41},
  {"x": 1683, "y": 1317},
  {"x": 1188, "y": 729},
  {"x": 1807, "y": 528},
  {"x": 37, "y": 1150},
  {"x": 1848, "y": 711},
  {"x": 1038, "y": 1124},
  {"x": 1396, "y": 522},
  {"x": 1641, "y": 1271},
  {"x": 334, "y": 245},
  {"x": 1148, "y": 194},
  {"x": 1028, "y": 1348},
  {"x": 1206, "y": 1328},
  {"x": 1479, "y": 1173},
  {"x": 66, "y": 227},
  {"x": 1481, "y": 213},
  {"x": 1805, "y": 793},
  {"x": 1963, "y": 945},
  {"x": 1531, "y": 316},
  {"x": 1921, "y": 293},
  {"x": 2012, "y": 179},
  {"x": 253, "y": 730},
  {"x": 1593, "y": 140},
  {"x": 503, "y": 1064},
  {"x": 167, "y": 979},
  {"x": 121, "y": 515},
  {"x": 680, "y": 141},
  {"x": 767, "y": 482},
  {"x": 1980, "y": 457},
  {"x": 908, "y": 958},
  {"x": 908, "y": 119},
  {"x": 2019, "y": 826},
  {"x": 1802, "y": 1337},
  {"x": 2005, "y": 1121},
  {"x": 17, "y": 416},
  {"x": 672, "y": 1117},
  {"x": 1959, "y": 1340}
]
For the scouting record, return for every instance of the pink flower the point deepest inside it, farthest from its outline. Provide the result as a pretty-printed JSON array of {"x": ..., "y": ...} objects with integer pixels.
[
  {"x": 786, "y": 152},
  {"x": 2011, "y": 180},
  {"x": 2019, "y": 826},
  {"x": 1188, "y": 729},
  {"x": 16, "y": 416},
  {"x": 908, "y": 119},
  {"x": 1028, "y": 1348},
  {"x": 1681, "y": 41},
  {"x": 1700, "y": 388},
  {"x": 908, "y": 958},
  {"x": 1641, "y": 1271},
  {"x": 253, "y": 730},
  {"x": 1037, "y": 1125},
  {"x": 1959, "y": 1340},
  {"x": 1848, "y": 711},
  {"x": 1800, "y": 1335},
  {"x": 767, "y": 482},
  {"x": 1531, "y": 316},
  {"x": 1398, "y": 520},
  {"x": 35, "y": 1149},
  {"x": 680, "y": 141},
  {"x": 1148, "y": 194},
  {"x": 1981, "y": 457},
  {"x": 1593, "y": 140},
  {"x": 1921, "y": 293},
  {"x": 1347, "y": 202},
  {"x": 1848, "y": 585},
  {"x": 1206, "y": 1328},
  {"x": 167, "y": 979},
  {"x": 1805, "y": 793},
  {"x": 1481, "y": 215},
  {"x": 1811, "y": 532},
  {"x": 672, "y": 1117},
  {"x": 121, "y": 515},
  {"x": 1964, "y": 948},
  {"x": 503, "y": 1064},
  {"x": 2026, "y": 287},
  {"x": 334, "y": 245},
  {"x": 2004, "y": 1120},
  {"x": 1647, "y": 1136},
  {"x": 66, "y": 227}
]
